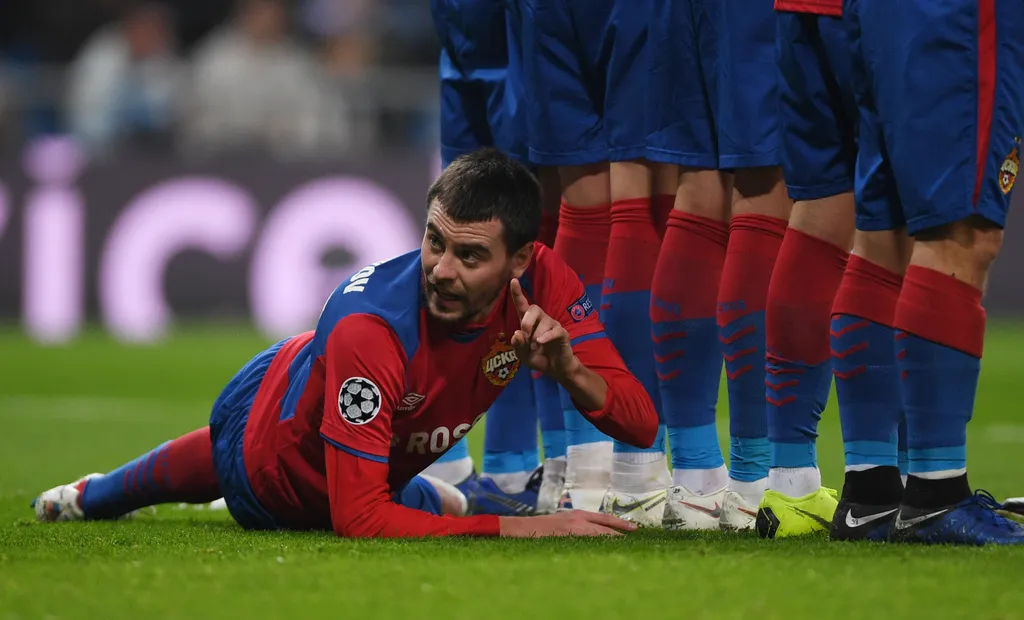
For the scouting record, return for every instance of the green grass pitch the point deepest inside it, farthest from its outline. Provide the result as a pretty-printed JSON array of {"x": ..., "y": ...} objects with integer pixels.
[{"x": 91, "y": 406}]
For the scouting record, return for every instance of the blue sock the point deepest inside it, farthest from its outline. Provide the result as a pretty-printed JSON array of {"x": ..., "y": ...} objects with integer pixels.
[
  {"x": 117, "y": 492},
  {"x": 903, "y": 458},
  {"x": 510, "y": 436},
  {"x": 689, "y": 374},
  {"x": 458, "y": 451},
  {"x": 578, "y": 429},
  {"x": 743, "y": 350},
  {"x": 939, "y": 386},
  {"x": 549, "y": 413},
  {"x": 796, "y": 395},
  {"x": 626, "y": 317},
  {"x": 867, "y": 387},
  {"x": 941, "y": 331}
]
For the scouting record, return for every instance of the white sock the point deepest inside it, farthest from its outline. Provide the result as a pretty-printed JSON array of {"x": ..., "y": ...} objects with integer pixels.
[
  {"x": 452, "y": 472},
  {"x": 554, "y": 467},
  {"x": 589, "y": 465},
  {"x": 639, "y": 472},
  {"x": 701, "y": 481},
  {"x": 794, "y": 481},
  {"x": 751, "y": 492},
  {"x": 940, "y": 475},
  {"x": 514, "y": 482}
]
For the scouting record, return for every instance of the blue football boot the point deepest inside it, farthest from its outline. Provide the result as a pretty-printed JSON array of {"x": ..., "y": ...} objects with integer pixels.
[
  {"x": 486, "y": 498},
  {"x": 974, "y": 521}
]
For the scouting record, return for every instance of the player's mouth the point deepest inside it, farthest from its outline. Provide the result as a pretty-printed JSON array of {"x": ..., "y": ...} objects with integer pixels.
[{"x": 444, "y": 298}]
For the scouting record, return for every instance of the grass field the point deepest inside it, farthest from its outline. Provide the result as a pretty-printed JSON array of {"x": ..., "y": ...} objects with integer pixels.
[{"x": 91, "y": 406}]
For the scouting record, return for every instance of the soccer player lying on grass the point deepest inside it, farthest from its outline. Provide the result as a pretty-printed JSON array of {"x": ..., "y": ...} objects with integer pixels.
[{"x": 329, "y": 429}]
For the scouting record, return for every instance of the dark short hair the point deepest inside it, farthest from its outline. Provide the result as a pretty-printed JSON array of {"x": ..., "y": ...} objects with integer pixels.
[{"x": 487, "y": 184}]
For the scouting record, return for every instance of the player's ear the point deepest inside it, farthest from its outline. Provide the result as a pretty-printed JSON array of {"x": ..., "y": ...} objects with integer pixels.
[{"x": 521, "y": 260}]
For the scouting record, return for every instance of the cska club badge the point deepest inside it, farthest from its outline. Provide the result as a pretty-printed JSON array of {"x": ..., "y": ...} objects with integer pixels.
[
  {"x": 500, "y": 363},
  {"x": 1008, "y": 171}
]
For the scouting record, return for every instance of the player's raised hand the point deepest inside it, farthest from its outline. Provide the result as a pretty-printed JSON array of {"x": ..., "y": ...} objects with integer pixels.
[
  {"x": 568, "y": 523},
  {"x": 540, "y": 342}
]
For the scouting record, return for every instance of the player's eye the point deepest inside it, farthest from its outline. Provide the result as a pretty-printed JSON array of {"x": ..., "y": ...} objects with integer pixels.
[
  {"x": 470, "y": 258},
  {"x": 435, "y": 243}
]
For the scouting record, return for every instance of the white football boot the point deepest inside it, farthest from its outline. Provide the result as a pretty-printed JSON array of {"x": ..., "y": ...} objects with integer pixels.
[
  {"x": 551, "y": 486},
  {"x": 685, "y": 510},
  {"x": 637, "y": 492},
  {"x": 643, "y": 509},
  {"x": 737, "y": 513},
  {"x": 62, "y": 503}
]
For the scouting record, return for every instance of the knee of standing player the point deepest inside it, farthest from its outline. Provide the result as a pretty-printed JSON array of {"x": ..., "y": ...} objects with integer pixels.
[
  {"x": 972, "y": 243},
  {"x": 705, "y": 193}
]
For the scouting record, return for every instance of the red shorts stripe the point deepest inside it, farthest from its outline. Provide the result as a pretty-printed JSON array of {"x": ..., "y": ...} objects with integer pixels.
[{"x": 986, "y": 87}]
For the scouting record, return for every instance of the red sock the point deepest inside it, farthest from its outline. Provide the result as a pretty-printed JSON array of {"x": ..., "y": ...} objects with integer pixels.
[
  {"x": 803, "y": 288},
  {"x": 868, "y": 291},
  {"x": 661, "y": 207},
  {"x": 689, "y": 269},
  {"x": 632, "y": 248},
  {"x": 548, "y": 228},
  {"x": 754, "y": 242},
  {"x": 189, "y": 468},
  {"x": 582, "y": 240},
  {"x": 941, "y": 309}
]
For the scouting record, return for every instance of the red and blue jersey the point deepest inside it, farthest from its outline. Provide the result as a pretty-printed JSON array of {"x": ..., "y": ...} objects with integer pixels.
[{"x": 351, "y": 412}]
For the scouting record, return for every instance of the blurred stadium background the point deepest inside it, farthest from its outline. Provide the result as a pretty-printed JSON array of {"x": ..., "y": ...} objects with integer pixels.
[{"x": 182, "y": 182}]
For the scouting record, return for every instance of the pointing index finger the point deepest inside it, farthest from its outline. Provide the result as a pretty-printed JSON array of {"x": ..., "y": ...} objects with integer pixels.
[{"x": 519, "y": 298}]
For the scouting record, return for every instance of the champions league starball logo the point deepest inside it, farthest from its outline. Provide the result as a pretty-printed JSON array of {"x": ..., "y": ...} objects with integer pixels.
[{"x": 358, "y": 400}]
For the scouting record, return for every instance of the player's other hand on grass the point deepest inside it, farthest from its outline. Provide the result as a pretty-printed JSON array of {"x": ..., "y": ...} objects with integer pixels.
[
  {"x": 540, "y": 342},
  {"x": 568, "y": 523}
]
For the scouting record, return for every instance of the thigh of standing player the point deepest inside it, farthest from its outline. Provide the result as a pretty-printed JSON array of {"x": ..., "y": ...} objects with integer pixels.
[
  {"x": 950, "y": 103},
  {"x": 567, "y": 44},
  {"x": 472, "y": 66}
]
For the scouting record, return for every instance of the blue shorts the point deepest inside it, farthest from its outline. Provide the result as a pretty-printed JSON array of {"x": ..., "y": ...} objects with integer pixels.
[
  {"x": 817, "y": 105},
  {"x": 473, "y": 70},
  {"x": 227, "y": 432},
  {"x": 944, "y": 82},
  {"x": 682, "y": 96},
  {"x": 748, "y": 135},
  {"x": 586, "y": 77}
]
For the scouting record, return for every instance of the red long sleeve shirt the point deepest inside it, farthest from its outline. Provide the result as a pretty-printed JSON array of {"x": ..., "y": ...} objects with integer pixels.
[{"x": 348, "y": 414}]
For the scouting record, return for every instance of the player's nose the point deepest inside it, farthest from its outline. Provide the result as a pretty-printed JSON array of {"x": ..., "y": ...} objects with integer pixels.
[{"x": 444, "y": 269}]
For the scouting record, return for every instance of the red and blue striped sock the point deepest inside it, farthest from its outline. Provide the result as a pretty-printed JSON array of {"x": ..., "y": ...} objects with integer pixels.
[
  {"x": 582, "y": 241},
  {"x": 686, "y": 350},
  {"x": 797, "y": 365},
  {"x": 626, "y": 297},
  {"x": 754, "y": 242},
  {"x": 176, "y": 471},
  {"x": 940, "y": 336},
  {"x": 867, "y": 381}
]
